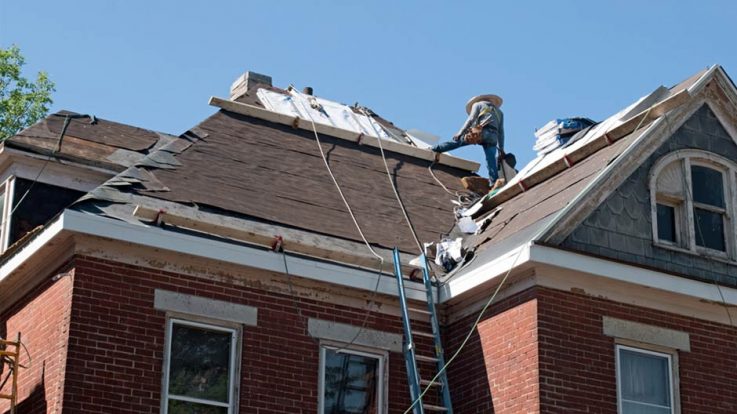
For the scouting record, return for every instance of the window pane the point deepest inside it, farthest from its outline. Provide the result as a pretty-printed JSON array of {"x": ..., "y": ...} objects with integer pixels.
[
  {"x": 200, "y": 360},
  {"x": 635, "y": 408},
  {"x": 666, "y": 223},
  {"x": 709, "y": 229},
  {"x": 184, "y": 407},
  {"x": 644, "y": 378},
  {"x": 350, "y": 383},
  {"x": 707, "y": 186}
]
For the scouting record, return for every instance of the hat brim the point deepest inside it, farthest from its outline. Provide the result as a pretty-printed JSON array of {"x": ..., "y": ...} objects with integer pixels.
[{"x": 494, "y": 99}]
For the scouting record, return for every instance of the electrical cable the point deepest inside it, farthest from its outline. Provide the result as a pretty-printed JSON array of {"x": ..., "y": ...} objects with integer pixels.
[{"x": 57, "y": 147}]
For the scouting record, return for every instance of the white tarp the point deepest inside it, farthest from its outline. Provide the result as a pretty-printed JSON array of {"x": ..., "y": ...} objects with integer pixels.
[{"x": 331, "y": 113}]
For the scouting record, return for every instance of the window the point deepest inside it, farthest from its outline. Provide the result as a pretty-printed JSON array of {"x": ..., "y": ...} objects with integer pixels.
[
  {"x": 200, "y": 369},
  {"x": 32, "y": 204},
  {"x": 692, "y": 203},
  {"x": 351, "y": 381},
  {"x": 644, "y": 381}
]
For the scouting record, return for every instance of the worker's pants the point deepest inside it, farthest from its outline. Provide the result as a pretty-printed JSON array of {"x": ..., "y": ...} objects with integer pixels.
[{"x": 489, "y": 151}]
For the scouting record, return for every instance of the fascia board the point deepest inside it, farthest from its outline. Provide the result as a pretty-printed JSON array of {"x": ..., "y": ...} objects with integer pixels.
[
  {"x": 631, "y": 274},
  {"x": 536, "y": 255},
  {"x": 465, "y": 282},
  {"x": 236, "y": 254},
  {"x": 26, "y": 253}
]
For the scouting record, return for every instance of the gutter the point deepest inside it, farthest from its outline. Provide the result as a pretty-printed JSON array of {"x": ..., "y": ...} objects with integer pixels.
[
  {"x": 531, "y": 254},
  {"x": 239, "y": 254}
]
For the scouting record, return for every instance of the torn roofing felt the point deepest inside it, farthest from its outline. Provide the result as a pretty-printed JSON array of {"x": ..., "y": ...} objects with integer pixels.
[
  {"x": 251, "y": 168},
  {"x": 102, "y": 143}
]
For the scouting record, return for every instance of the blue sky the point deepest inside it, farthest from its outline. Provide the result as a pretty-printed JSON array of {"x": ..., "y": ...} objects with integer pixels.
[{"x": 155, "y": 63}]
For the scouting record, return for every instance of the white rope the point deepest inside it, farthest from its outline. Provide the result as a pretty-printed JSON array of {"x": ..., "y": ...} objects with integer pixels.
[
  {"x": 394, "y": 187},
  {"x": 340, "y": 191}
]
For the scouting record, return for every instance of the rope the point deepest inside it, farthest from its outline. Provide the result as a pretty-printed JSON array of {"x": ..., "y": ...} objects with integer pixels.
[
  {"x": 337, "y": 186},
  {"x": 394, "y": 187},
  {"x": 360, "y": 232},
  {"x": 468, "y": 336},
  {"x": 483, "y": 310}
]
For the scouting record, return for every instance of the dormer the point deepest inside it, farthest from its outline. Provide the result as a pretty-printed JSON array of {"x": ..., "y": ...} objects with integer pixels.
[{"x": 48, "y": 166}]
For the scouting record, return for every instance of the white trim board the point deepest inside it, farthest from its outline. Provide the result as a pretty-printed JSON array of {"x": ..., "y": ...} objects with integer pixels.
[
  {"x": 157, "y": 238},
  {"x": 531, "y": 254}
]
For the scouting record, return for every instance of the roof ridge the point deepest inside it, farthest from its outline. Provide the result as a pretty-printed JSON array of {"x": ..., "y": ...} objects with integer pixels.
[{"x": 352, "y": 136}]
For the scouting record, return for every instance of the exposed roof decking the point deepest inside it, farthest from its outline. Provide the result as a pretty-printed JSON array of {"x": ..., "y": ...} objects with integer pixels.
[{"x": 104, "y": 144}]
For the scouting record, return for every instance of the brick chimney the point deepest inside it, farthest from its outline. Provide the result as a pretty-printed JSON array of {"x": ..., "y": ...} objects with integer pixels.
[{"x": 245, "y": 82}]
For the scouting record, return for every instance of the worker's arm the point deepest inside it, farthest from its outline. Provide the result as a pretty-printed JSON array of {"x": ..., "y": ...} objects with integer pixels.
[{"x": 475, "y": 109}]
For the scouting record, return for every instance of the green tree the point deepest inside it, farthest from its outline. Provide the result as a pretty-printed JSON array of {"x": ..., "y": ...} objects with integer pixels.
[{"x": 22, "y": 102}]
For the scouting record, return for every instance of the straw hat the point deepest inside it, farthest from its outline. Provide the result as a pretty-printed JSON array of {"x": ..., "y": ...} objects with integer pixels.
[{"x": 494, "y": 99}]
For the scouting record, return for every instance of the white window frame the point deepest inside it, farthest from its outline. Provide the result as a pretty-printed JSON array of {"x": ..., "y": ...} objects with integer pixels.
[
  {"x": 381, "y": 375},
  {"x": 7, "y": 188},
  {"x": 235, "y": 333},
  {"x": 684, "y": 215},
  {"x": 672, "y": 369}
]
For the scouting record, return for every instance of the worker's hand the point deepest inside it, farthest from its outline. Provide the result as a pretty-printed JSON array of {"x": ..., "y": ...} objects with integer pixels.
[{"x": 456, "y": 137}]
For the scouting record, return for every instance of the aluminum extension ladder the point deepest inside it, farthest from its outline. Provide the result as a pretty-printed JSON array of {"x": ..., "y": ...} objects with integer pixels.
[
  {"x": 410, "y": 355},
  {"x": 10, "y": 357}
]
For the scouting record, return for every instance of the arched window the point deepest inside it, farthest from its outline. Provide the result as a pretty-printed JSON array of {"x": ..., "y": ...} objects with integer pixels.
[{"x": 691, "y": 200}]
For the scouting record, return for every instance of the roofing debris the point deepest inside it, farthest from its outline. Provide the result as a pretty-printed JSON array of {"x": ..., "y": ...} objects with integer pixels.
[
  {"x": 103, "y": 144},
  {"x": 519, "y": 213}
]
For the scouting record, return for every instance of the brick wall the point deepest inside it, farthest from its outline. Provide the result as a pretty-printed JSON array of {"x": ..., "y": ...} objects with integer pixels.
[
  {"x": 496, "y": 371},
  {"x": 577, "y": 367},
  {"x": 543, "y": 350},
  {"x": 42, "y": 318},
  {"x": 117, "y": 343}
]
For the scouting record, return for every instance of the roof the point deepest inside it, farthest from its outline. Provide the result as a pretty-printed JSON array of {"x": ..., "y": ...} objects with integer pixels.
[
  {"x": 105, "y": 144},
  {"x": 570, "y": 178},
  {"x": 251, "y": 168}
]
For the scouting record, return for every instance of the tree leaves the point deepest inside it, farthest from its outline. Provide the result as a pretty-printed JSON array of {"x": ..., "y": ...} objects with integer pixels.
[{"x": 22, "y": 102}]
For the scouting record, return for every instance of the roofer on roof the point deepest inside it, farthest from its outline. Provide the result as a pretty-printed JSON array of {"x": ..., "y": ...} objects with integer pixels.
[{"x": 484, "y": 126}]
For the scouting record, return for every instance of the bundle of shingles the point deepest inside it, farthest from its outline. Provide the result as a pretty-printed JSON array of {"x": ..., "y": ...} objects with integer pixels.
[{"x": 557, "y": 132}]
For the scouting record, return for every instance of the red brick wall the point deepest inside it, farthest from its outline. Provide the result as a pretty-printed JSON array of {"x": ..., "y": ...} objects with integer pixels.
[
  {"x": 117, "y": 343},
  {"x": 496, "y": 372},
  {"x": 577, "y": 367},
  {"x": 42, "y": 318},
  {"x": 543, "y": 350}
]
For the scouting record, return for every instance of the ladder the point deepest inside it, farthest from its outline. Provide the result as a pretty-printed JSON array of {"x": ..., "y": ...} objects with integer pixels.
[
  {"x": 10, "y": 357},
  {"x": 409, "y": 347}
]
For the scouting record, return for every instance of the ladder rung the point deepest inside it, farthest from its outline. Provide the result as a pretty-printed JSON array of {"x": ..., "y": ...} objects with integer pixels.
[
  {"x": 8, "y": 353},
  {"x": 6, "y": 396},
  {"x": 434, "y": 384},
  {"x": 425, "y": 334},
  {"x": 418, "y": 310},
  {"x": 430, "y": 407},
  {"x": 426, "y": 358}
]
